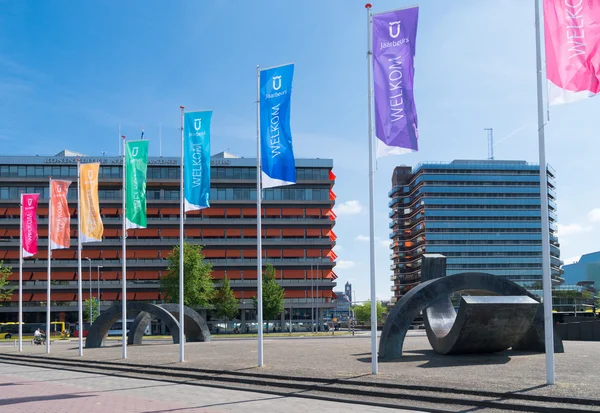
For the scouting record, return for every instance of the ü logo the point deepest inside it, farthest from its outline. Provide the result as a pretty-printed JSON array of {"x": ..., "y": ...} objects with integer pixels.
[{"x": 395, "y": 29}]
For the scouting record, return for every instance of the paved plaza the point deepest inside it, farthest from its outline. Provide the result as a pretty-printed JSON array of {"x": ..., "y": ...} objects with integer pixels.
[
  {"x": 348, "y": 357},
  {"x": 26, "y": 389}
]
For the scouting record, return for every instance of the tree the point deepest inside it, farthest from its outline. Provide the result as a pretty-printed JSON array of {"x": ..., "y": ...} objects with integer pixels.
[
  {"x": 226, "y": 305},
  {"x": 538, "y": 285},
  {"x": 95, "y": 309},
  {"x": 5, "y": 292},
  {"x": 198, "y": 287},
  {"x": 272, "y": 296},
  {"x": 363, "y": 312}
]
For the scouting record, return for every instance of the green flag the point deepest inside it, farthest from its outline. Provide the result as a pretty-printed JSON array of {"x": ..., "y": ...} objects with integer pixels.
[{"x": 136, "y": 160}]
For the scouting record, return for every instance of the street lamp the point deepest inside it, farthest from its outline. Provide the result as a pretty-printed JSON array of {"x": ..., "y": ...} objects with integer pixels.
[
  {"x": 90, "y": 262},
  {"x": 99, "y": 266}
]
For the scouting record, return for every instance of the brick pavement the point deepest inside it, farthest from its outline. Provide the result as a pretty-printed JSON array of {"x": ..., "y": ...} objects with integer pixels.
[{"x": 27, "y": 389}]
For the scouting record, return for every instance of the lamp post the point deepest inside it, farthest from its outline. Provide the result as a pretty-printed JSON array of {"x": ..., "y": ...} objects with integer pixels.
[
  {"x": 90, "y": 265},
  {"x": 99, "y": 266}
]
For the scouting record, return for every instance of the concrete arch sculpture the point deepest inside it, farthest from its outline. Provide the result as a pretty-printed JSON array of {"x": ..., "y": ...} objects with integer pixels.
[
  {"x": 100, "y": 327},
  {"x": 195, "y": 327},
  {"x": 447, "y": 330}
]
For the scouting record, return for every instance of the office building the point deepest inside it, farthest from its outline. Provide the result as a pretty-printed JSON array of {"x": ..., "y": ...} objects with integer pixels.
[
  {"x": 586, "y": 269},
  {"x": 484, "y": 216},
  {"x": 297, "y": 234}
]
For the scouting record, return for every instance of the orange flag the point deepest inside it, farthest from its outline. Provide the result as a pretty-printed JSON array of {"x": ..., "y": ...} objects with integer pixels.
[
  {"x": 60, "y": 224},
  {"x": 89, "y": 207}
]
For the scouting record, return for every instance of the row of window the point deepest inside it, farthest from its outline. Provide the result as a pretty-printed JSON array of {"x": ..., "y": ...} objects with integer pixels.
[
  {"x": 154, "y": 172},
  {"x": 498, "y": 266},
  {"x": 490, "y": 230},
  {"x": 216, "y": 194},
  {"x": 484, "y": 207},
  {"x": 476, "y": 218},
  {"x": 484, "y": 242},
  {"x": 494, "y": 254}
]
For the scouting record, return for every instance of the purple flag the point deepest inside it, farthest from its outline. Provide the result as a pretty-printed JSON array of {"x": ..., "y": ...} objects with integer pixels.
[{"x": 394, "y": 43}]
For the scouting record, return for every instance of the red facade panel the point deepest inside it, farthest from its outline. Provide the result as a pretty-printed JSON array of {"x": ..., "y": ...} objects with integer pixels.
[
  {"x": 273, "y": 232},
  {"x": 313, "y": 212},
  {"x": 169, "y": 232},
  {"x": 293, "y": 232},
  {"x": 110, "y": 254},
  {"x": 313, "y": 232},
  {"x": 293, "y": 253},
  {"x": 192, "y": 232},
  {"x": 62, "y": 296},
  {"x": 273, "y": 212},
  {"x": 232, "y": 212},
  {"x": 248, "y": 212},
  {"x": 250, "y": 253},
  {"x": 294, "y": 274},
  {"x": 214, "y": 253},
  {"x": 249, "y": 232},
  {"x": 146, "y": 295},
  {"x": 110, "y": 296},
  {"x": 234, "y": 253},
  {"x": 292, "y": 212},
  {"x": 213, "y": 212},
  {"x": 233, "y": 232},
  {"x": 294, "y": 294},
  {"x": 147, "y": 233},
  {"x": 250, "y": 275},
  {"x": 213, "y": 232}
]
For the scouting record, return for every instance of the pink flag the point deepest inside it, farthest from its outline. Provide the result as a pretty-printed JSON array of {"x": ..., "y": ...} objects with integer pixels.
[
  {"x": 572, "y": 32},
  {"x": 29, "y": 231}
]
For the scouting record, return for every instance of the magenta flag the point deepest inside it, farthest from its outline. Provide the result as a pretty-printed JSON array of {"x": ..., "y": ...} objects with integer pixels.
[
  {"x": 394, "y": 44},
  {"x": 572, "y": 32},
  {"x": 29, "y": 230}
]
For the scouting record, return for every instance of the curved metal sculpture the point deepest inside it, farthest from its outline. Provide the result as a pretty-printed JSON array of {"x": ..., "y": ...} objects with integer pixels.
[
  {"x": 468, "y": 331},
  {"x": 100, "y": 328},
  {"x": 195, "y": 327},
  {"x": 482, "y": 325}
]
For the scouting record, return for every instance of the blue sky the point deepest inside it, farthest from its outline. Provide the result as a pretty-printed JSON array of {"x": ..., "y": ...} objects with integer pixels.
[{"x": 70, "y": 72}]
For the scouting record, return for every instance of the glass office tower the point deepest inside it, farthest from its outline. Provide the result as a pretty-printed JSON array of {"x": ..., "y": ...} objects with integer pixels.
[{"x": 484, "y": 216}]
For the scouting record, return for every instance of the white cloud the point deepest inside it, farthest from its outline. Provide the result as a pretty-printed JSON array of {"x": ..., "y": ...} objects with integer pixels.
[
  {"x": 338, "y": 247},
  {"x": 572, "y": 229},
  {"x": 363, "y": 238},
  {"x": 385, "y": 243},
  {"x": 348, "y": 208},
  {"x": 594, "y": 215},
  {"x": 344, "y": 264}
]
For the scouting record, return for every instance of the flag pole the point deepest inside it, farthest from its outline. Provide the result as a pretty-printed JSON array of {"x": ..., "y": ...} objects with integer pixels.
[
  {"x": 181, "y": 247},
  {"x": 21, "y": 276},
  {"x": 49, "y": 265},
  {"x": 374, "y": 366},
  {"x": 317, "y": 302},
  {"x": 124, "y": 256},
  {"x": 79, "y": 292},
  {"x": 160, "y": 140},
  {"x": 259, "y": 297},
  {"x": 546, "y": 273}
]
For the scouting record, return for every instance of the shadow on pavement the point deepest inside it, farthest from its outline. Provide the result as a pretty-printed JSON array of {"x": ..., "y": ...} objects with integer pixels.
[
  {"x": 29, "y": 399},
  {"x": 434, "y": 360}
]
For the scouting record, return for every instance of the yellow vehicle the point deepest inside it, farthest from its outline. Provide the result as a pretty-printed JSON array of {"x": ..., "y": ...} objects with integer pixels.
[{"x": 11, "y": 330}]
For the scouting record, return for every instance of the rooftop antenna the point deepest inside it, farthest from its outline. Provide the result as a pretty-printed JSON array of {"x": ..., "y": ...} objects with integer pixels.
[
  {"x": 103, "y": 153},
  {"x": 490, "y": 137}
]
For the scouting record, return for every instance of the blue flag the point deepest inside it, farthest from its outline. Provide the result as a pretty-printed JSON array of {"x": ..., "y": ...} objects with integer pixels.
[
  {"x": 196, "y": 171},
  {"x": 277, "y": 152}
]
